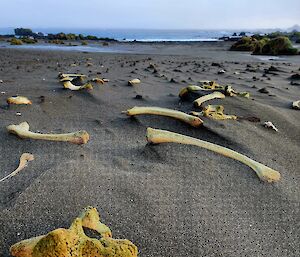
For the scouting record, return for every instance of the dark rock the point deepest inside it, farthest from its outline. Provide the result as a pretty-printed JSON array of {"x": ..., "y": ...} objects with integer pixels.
[
  {"x": 216, "y": 64},
  {"x": 138, "y": 97},
  {"x": 295, "y": 76},
  {"x": 263, "y": 90}
]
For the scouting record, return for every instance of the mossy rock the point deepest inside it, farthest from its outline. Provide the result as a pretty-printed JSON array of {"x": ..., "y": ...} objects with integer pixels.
[
  {"x": 15, "y": 41},
  {"x": 84, "y": 43},
  {"x": 276, "y": 46},
  {"x": 244, "y": 44},
  {"x": 28, "y": 40},
  {"x": 56, "y": 41}
]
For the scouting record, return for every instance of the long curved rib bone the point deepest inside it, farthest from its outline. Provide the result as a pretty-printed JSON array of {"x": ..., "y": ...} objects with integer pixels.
[
  {"x": 264, "y": 173},
  {"x": 198, "y": 102},
  {"x": 69, "y": 85},
  {"x": 192, "y": 120},
  {"x": 24, "y": 159},
  {"x": 73, "y": 241},
  {"x": 18, "y": 100},
  {"x": 22, "y": 131}
]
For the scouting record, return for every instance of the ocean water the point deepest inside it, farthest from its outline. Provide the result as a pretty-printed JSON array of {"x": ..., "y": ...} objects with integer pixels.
[{"x": 145, "y": 35}]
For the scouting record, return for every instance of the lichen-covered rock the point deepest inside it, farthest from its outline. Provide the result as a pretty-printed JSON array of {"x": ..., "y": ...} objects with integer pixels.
[
  {"x": 15, "y": 41},
  {"x": 73, "y": 242},
  {"x": 244, "y": 44},
  {"x": 276, "y": 46}
]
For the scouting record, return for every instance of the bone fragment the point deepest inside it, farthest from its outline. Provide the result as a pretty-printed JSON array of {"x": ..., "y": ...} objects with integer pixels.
[
  {"x": 133, "y": 82},
  {"x": 296, "y": 105},
  {"x": 63, "y": 75},
  {"x": 98, "y": 80},
  {"x": 216, "y": 112},
  {"x": 22, "y": 131},
  {"x": 264, "y": 173},
  {"x": 198, "y": 102},
  {"x": 18, "y": 100},
  {"x": 24, "y": 159},
  {"x": 69, "y": 85},
  {"x": 270, "y": 125},
  {"x": 193, "y": 121},
  {"x": 73, "y": 241}
]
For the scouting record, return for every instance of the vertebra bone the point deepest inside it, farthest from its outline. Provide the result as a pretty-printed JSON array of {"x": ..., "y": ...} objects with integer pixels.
[
  {"x": 296, "y": 105},
  {"x": 63, "y": 242}
]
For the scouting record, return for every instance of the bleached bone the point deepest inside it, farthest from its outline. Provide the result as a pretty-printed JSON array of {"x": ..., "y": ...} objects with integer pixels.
[
  {"x": 18, "y": 100},
  {"x": 64, "y": 75},
  {"x": 133, "y": 82},
  {"x": 192, "y": 120},
  {"x": 98, "y": 80},
  {"x": 24, "y": 159},
  {"x": 296, "y": 105},
  {"x": 69, "y": 85},
  {"x": 198, "y": 102},
  {"x": 211, "y": 86},
  {"x": 73, "y": 241},
  {"x": 264, "y": 173},
  {"x": 22, "y": 131},
  {"x": 269, "y": 124}
]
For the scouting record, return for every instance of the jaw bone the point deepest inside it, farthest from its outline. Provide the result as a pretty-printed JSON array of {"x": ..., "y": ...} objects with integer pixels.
[
  {"x": 24, "y": 159},
  {"x": 198, "y": 102},
  {"x": 74, "y": 242},
  {"x": 192, "y": 120},
  {"x": 68, "y": 84},
  {"x": 264, "y": 173},
  {"x": 18, "y": 100},
  {"x": 22, "y": 131}
]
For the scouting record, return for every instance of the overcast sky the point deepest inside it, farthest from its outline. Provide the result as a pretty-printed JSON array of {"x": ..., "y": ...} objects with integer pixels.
[{"x": 164, "y": 14}]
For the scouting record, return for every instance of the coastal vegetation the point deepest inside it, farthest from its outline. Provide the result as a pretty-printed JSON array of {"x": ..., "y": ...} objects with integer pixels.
[
  {"x": 15, "y": 41},
  {"x": 25, "y": 32},
  {"x": 270, "y": 45}
]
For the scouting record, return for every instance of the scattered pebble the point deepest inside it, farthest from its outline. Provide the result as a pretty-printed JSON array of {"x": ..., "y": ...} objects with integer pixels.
[
  {"x": 18, "y": 114},
  {"x": 221, "y": 71}
]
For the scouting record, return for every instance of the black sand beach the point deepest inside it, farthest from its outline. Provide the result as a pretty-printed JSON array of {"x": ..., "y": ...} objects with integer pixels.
[{"x": 169, "y": 199}]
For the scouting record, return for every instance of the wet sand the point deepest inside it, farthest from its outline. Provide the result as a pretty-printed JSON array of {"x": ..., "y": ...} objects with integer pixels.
[{"x": 169, "y": 199}]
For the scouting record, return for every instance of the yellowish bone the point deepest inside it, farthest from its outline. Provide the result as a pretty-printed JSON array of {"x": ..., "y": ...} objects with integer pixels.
[{"x": 266, "y": 174}]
